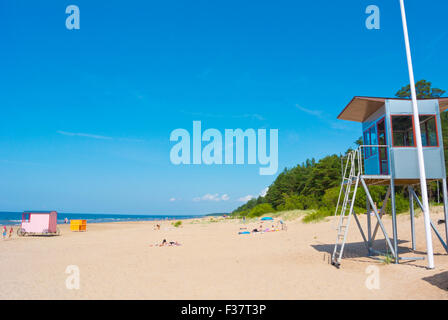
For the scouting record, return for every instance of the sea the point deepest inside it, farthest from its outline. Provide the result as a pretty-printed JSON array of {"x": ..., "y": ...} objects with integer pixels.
[{"x": 15, "y": 218}]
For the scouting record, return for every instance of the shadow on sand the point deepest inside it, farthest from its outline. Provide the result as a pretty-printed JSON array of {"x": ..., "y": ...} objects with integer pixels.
[
  {"x": 439, "y": 280},
  {"x": 359, "y": 249}
]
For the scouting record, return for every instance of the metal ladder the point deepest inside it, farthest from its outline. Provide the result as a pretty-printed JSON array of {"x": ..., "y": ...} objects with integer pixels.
[{"x": 347, "y": 195}]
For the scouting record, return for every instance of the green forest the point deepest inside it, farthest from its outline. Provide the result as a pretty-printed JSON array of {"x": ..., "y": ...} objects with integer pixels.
[{"x": 314, "y": 185}]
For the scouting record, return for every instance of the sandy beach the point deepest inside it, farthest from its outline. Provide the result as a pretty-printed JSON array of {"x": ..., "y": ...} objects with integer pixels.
[{"x": 116, "y": 261}]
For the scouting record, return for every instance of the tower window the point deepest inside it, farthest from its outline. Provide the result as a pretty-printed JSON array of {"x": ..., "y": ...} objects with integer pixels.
[
  {"x": 429, "y": 131},
  {"x": 403, "y": 131},
  {"x": 370, "y": 138},
  {"x": 403, "y": 134}
]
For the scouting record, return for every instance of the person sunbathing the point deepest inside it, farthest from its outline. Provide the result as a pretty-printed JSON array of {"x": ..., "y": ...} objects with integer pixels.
[
  {"x": 166, "y": 243},
  {"x": 159, "y": 245},
  {"x": 260, "y": 229}
]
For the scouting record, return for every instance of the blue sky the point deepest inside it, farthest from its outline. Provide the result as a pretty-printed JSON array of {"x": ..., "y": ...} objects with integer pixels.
[{"x": 86, "y": 114}]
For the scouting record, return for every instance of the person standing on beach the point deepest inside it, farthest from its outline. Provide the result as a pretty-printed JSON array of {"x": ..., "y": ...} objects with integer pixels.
[
  {"x": 11, "y": 230},
  {"x": 4, "y": 232},
  {"x": 372, "y": 212},
  {"x": 284, "y": 228}
]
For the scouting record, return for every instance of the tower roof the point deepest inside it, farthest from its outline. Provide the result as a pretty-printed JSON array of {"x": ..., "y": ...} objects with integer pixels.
[{"x": 361, "y": 108}]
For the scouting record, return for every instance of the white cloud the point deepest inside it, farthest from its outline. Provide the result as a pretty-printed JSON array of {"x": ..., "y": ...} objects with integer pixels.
[
  {"x": 324, "y": 117},
  {"x": 95, "y": 136},
  {"x": 316, "y": 113},
  {"x": 264, "y": 192},
  {"x": 86, "y": 135},
  {"x": 250, "y": 197},
  {"x": 253, "y": 116},
  {"x": 131, "y": 140},
  {"x": 172, "y": 199},
  {"x": 212, "y": 197},
  {"x": 246, "y": 198}
]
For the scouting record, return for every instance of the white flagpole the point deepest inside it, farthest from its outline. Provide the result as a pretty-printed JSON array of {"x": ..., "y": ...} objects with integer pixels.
[{"x": 418, "y": 138}]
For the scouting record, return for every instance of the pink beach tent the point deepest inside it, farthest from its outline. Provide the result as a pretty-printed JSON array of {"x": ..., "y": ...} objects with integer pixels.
[{"x": 39, "y": 222}]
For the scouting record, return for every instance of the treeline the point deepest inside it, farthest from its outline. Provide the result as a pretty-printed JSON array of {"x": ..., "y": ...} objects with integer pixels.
[
  {"x": 316, "y": 185},
  {"x": 310, "y": 185},
  {"x": 301, "y": 187}
]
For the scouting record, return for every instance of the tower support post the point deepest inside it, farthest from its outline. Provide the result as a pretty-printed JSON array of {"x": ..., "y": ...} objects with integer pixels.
[
  {"x": 394, "y": 219},
  {"x": 445, "y": 207},
  {"x": 369, "y": 226},
  {"x": 412, "y": 214}
]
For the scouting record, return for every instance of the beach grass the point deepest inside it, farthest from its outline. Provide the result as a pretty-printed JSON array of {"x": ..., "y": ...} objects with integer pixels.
[
  {"x": 387, "y": 259},
  {"x": 209, "y": 220},
  {"x": 314, "y": 216},
  {"x": 290, "y": 215},
  {"x": 177, "y": 224}
]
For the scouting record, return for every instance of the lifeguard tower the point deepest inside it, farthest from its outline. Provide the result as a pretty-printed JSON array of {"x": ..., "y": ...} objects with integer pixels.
[{"x": 388, "y": 157}]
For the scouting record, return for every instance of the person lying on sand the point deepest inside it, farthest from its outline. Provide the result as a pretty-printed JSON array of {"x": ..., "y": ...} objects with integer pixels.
[
  {"x": 166, "y": 243},
  {"x": 159, "y": 245},
  {"x": 260, "y": 229}
]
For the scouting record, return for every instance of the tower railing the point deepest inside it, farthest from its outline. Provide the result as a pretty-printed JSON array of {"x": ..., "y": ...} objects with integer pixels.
[
  {"x": 354, "y": 167},
  {"x": 374, "y": 150}
]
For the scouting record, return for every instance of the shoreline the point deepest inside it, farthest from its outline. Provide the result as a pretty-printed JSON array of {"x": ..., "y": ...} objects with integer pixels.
[{"x": 93, "y": 220}]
